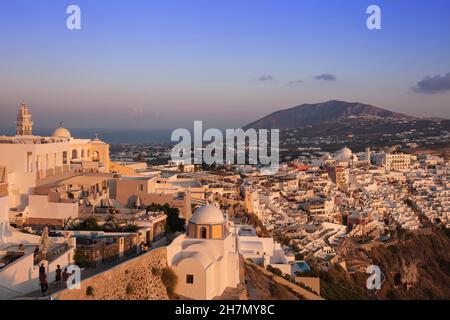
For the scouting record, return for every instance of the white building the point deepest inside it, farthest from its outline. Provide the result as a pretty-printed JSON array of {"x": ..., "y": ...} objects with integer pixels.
[
  {"x": 397, "y": 161},
  {"x": 206, "y": 258},
  {"x": 262, "y": 250},
  {"x": 393, "y": 161},
  {"x": 35, "y": 161}
]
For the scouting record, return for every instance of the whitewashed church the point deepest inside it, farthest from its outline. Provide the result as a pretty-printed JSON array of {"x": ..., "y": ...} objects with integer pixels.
[{"x": 205, "y": 259}]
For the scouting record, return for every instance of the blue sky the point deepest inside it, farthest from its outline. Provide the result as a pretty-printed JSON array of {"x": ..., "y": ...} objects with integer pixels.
[{"x": 164, "y": 63}]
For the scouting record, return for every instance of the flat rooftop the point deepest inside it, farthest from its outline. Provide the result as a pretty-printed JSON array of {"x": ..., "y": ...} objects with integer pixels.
[
  {"x": 140, "y": 178},
  {"x": 84, "y": 180},
  {"x": 192, "y": 183},
  {"x": 30, "y": 140}
]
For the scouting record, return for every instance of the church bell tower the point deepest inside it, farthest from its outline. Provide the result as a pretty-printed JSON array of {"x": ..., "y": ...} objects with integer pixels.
[{"x": 24, "y": 123}]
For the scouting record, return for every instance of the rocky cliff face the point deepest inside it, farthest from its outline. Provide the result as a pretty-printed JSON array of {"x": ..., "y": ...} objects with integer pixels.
[{"x": 416, "y": 266}]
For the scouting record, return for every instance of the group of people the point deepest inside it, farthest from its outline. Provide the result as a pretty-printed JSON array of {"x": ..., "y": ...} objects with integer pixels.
[
  {"x": 61, "y": 278},
  {"x": 142, "y": 248}
]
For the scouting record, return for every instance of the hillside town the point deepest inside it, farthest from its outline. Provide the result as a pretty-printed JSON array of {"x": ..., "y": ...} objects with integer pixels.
[{"x": 67, "y": 202}]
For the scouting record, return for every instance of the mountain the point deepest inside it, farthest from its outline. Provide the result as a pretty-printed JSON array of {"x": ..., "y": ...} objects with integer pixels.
[{"x": 325, "y": 112}]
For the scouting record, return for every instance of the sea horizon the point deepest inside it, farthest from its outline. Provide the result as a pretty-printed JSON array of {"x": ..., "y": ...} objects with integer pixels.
[{"x": 109, "y": 135}]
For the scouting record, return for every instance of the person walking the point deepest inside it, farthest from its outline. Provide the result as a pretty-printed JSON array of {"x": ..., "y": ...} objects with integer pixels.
[
  {"x": 141, "y": 247},
  {"x": 58, "y": 275},
  {"x": 41, "y": 268},
  {"x": 65, "y": 277},
  {"x": 44, "y": 282}
]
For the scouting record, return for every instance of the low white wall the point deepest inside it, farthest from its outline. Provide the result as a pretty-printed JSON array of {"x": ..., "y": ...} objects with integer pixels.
[
  {"x": 22, "y": 276},
  {"x": 17, "y": 278},
  {"x": 41, "y": 208}
]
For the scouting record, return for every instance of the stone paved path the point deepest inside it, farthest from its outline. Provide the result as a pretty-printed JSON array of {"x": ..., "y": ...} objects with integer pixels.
[{"x": 85, "y": 273}]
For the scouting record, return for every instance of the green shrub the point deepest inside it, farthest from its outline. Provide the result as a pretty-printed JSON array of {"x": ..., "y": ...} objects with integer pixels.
[
  {"x": 130, "y": 289},
  {"x": 130, "y": 228},
  {"x": 156, "y": 271},
  {"x": 288, "y": 277},
  {"x": 275, "y": 271},
  {"x": 80, "y": 259},
  {"x": 278, "y": 291},
  {"x": 90, "y": 224},
  {"x": 169, "y": 279},
  {"x": 89, "y": 291},
  {"x": 393, "y": 249}
]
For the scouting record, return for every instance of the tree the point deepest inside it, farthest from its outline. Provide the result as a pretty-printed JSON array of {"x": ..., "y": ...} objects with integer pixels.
[
  {"x": 89, "y": 224},
  {"x": 154, "y": 207},
  {"x": 174, "y": 223},
  {"x": 80, "y": 259}
]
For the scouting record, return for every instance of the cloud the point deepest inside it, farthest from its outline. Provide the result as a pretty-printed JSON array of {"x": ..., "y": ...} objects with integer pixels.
[
  {"x": 436, "y": 84},
  {"x": 136, "y": 112},
  {"x": 264, "y": 78},
  {"x": 294, "y": 82},
  {"x": 326, "y": 77}
]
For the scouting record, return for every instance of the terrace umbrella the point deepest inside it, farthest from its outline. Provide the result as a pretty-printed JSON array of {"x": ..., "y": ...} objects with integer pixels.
[
  {"x": 44, "y": 243},
  {"x": 108, "y": 203},
  {"x": 137, "y": 204}
]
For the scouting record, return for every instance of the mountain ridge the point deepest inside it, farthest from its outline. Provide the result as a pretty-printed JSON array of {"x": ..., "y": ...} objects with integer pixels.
[{"x": 323, "y": 112}]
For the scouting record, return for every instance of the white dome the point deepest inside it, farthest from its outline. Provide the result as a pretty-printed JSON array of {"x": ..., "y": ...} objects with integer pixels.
[
  {"x": 207, "y": 215},
  {"x": 61, "y": 132}
]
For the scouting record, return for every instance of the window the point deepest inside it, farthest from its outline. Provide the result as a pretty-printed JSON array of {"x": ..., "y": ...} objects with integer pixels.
[
  {"x": 29, "y": 162},
  {"x": 141, "y": 187},
  {"x": 190, "y": 278}
]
